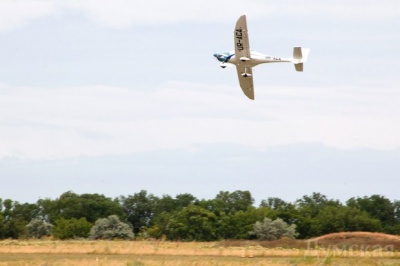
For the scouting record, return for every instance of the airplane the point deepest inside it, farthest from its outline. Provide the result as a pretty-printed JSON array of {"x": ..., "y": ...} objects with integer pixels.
[{"x": 245, "y": 59}]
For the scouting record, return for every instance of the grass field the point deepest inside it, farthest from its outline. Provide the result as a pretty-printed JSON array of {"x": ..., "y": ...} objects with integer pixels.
[{"x": 337, "y": 249}]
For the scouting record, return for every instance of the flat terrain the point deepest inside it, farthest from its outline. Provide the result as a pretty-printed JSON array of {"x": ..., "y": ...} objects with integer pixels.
[{"x": 334, "y": 249}]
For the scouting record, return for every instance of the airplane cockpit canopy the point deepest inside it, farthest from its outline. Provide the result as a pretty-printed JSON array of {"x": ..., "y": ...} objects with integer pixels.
[{"x": 224, "y": 57}]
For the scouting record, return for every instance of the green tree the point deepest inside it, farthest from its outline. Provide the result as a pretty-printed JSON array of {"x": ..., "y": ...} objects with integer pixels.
[
  {"x": 184, "y": 200},
  {"x": 72, "y": 228},
  {"x": 111, "y": 228},
  {"x": 311, "y": 205},
  {"x": 231, "y": 202},
  {"x": 168, "y": 204},
  {"x": 193, "y": 223},
  {"x": 342, "y": 219},
  {"x": 160, "y": 227},
  {"x": 377, "y": 207},
  {"x": 238, "y": 225},
  {"x": 15, "y": 217},
  {"x": 357, "y": 220},
  {"x": 165, "y": 209},
  {"x": 2, "y": 233},
  {"x": 90, "y": 206},
  {"x": 139, "y": 209},
  {"x": 308, "y": 207},
  {"x": 48, "y": 209},
  {"x": 273, "y": 203},
  {"x": 10, "y": 228},
  {"x": 395, "y": 229},
  {"x": 282, "y": 209},
  {"x": 25, "y": 211}
]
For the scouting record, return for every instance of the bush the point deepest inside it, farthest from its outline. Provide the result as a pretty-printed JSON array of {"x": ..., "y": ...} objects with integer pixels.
[
  {"x": 110, "y": 228},
  {"x": 38, "y": 228},
  {"x": 272, "y": 230},
  {"x": 71, "y": 228}
]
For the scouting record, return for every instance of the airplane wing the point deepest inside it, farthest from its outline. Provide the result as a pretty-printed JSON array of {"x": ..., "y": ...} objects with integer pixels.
[
  {"x": 246, "y": 83},
  {"x": 242, "y": 50}
]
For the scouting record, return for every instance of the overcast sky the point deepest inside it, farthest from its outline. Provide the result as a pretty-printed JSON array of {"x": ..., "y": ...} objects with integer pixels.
[{"x": 117, "y": 96}]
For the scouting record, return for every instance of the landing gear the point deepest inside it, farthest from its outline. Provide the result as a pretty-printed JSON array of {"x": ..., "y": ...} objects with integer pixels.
[
  {"x": 245, "y": 74},
  {"x": 223, "y": 65}
]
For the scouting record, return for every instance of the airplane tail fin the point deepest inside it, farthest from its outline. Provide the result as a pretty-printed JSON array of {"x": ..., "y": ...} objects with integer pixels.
[{"x": 300, "y": 56}]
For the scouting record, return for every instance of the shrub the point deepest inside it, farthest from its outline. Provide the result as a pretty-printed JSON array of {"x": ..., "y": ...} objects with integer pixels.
[
  {"x": 38, "y": 228},
  {"x": 71, "y": 228},
  {"x": 272, "y": 230},
  {"x": 110, "y": 228}
]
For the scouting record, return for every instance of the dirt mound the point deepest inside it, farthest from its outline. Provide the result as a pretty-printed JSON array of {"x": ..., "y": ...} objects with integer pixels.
[
  {"x": 358, "y": 239},
  {"x": 355, "y": 240},
  {"x": 358, "y": 235}
]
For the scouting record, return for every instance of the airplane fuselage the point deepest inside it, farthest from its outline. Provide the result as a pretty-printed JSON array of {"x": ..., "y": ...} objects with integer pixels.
[{"x": 256, "y": 59}]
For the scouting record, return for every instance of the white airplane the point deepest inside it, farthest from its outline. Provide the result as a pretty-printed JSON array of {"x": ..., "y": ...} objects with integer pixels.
[{"x": 245, "y": 59}]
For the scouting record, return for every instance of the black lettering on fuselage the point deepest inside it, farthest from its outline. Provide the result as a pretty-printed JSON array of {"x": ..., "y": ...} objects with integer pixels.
[
  {"x": 239, "y": 39},
  {"x": 273, "y": 58}
]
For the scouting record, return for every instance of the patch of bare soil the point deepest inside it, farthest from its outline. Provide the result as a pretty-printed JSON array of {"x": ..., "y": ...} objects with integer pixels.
[
  {"x": 349, "y": 239},
  {"x": 359, "y": 239}
]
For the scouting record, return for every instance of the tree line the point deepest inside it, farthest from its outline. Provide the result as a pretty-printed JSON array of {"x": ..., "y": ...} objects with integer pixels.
[{"x": 230, "y": 215}]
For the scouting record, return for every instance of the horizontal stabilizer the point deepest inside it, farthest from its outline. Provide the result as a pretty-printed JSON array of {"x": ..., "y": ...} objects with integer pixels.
[
  {"x": 299, "y": 67},
  {"x": 300, "y": 56},
  {"x": 297, "y": 53}
]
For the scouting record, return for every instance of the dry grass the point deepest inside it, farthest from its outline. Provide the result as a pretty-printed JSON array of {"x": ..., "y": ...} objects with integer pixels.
[{"x": 326, "y": 250}]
